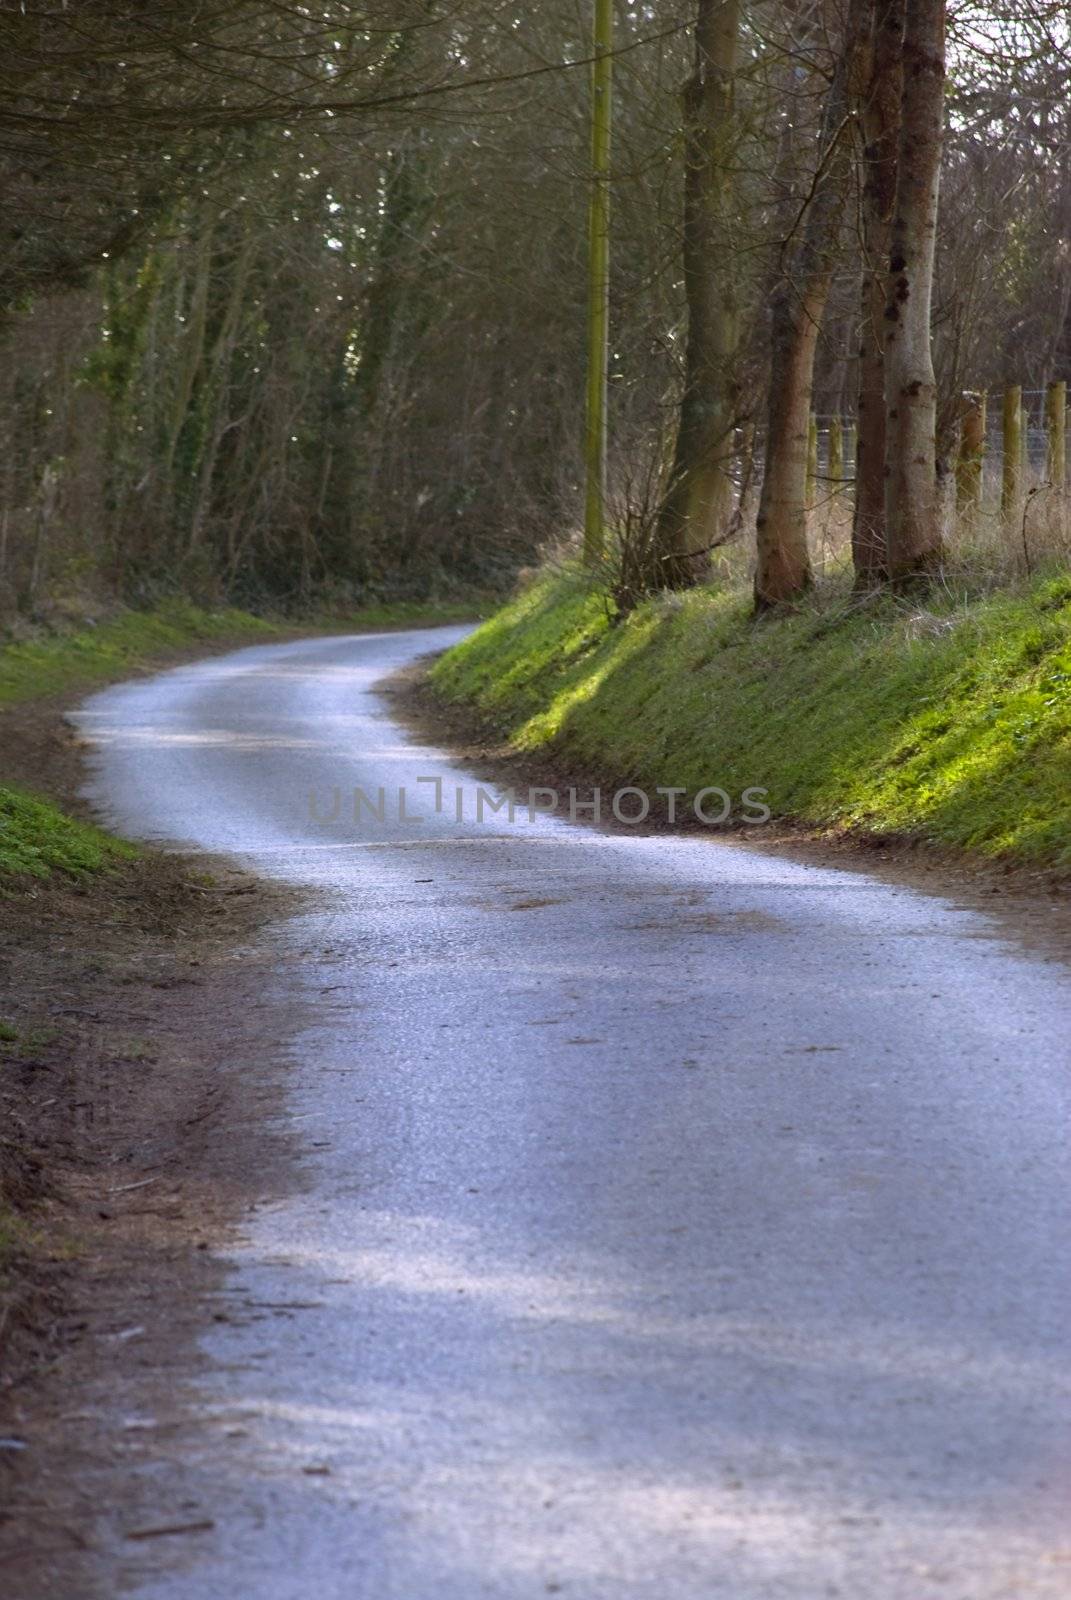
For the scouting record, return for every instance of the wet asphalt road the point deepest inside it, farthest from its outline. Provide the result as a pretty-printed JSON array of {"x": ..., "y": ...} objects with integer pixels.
[{"x": 676, "y": 1221}]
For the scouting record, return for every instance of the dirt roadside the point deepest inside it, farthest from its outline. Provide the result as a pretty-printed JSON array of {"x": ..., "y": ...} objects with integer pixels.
[
  {"x": 129, "y": 1148},
  {"x": 1032, "y": 908}
]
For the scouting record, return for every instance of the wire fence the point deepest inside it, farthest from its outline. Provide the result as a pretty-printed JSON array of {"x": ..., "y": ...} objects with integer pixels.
[{"x": 1041, "y": 417}]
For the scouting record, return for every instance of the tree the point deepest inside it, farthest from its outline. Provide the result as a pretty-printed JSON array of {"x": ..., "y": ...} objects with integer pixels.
[
  {"x": 699, "y": 494},
  {"x": 912, "y": 525},
  {"x": 341, "y": 354},
  {"x": 783, "y": 569},
  {"x": 878, "y": 110},
  {"x": 109, "y": 111}
]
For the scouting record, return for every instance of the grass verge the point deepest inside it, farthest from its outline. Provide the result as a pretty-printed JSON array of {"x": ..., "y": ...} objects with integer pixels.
[
  {"x": 134, "y": 639},
  {"x": 945, "y": 720},
  {"x": 37, "y": 838}
]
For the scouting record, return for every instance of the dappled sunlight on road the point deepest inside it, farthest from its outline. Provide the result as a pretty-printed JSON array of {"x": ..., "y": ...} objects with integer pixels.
[
  {"x": 671, "y": 1220},
  {"x": 420, "y": 1414}
]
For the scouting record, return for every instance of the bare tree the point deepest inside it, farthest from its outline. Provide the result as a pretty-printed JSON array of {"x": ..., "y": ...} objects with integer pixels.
[
  {"x": 879, "y": 120},
  {"x": 699, "y": 495},
  {"x": 783, "y": 569},
  {"x": 912, "y": 525}
]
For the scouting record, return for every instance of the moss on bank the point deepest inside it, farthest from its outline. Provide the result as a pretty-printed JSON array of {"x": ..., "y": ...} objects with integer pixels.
[
  {"x": 947, "y": 720},
  {"x": 133, "y": 639},
  {"x": 36, "y": 837}
]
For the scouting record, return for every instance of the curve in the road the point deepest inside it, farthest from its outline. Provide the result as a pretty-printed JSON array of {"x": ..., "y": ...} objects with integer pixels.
[{"x": 679, "y": 1222}]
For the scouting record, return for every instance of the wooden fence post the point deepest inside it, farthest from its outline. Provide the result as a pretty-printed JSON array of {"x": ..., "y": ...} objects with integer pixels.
[
  {"x": 1056, "y": 431},
  {"x": 1012, "y": 430},
  {"x": 836, "y": 454},
  {"x": 850, "y": 445},
  {"x": 971, "y": 456},
  {"x": 812, "y": 463}
]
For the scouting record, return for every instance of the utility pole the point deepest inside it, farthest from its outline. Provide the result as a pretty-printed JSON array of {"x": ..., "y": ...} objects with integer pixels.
[{"x": 598, "y": 281}]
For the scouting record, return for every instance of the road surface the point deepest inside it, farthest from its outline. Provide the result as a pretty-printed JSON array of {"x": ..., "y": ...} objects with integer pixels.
[{"x": 676, "y": 1221}]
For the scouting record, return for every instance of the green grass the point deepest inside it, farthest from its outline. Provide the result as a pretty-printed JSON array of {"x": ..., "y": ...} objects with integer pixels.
[
  {"x": 942, "y": 719},
  {"x": 69, "y": 660},
  {"x": 36, "y": 839},
  {"x": 135, "y": 639}
]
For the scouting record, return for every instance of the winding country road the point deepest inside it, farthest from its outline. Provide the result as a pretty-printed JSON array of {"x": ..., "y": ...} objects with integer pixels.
[{"x": 675, "y": 1222}]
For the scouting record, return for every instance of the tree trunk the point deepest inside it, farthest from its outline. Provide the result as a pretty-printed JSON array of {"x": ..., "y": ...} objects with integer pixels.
[
  {"x": 880, "y": 121},
  {"x": 698, "y": 501},
  {"x": 912, "y": 524},
  {"x": 217, "y": 382},
  {"x": 192, "y": 349},
  {"x": 784, "y": 568}
]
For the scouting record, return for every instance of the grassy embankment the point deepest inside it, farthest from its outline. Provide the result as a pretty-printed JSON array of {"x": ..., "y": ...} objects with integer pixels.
[
  {"x": 36, "y": 838},
  {"x": 945, "y": 720}
]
